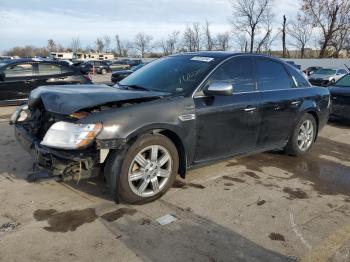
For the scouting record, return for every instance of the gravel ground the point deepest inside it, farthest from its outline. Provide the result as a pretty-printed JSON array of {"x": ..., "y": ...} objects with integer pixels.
[{"x": 267, "y": 207}]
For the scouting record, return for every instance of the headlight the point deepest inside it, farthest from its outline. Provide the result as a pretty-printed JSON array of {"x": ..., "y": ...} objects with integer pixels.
[
  {"x": 20, "y": 114},
  {"x": 71, "y": 136}
]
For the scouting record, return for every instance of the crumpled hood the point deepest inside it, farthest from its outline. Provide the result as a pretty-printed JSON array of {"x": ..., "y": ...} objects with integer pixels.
[{"x": 68, "y": 99}]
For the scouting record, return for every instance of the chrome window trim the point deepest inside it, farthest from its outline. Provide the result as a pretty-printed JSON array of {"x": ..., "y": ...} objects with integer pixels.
[
  {"x": 261, "y": 91},
  {"x": 255, "y": 91}
]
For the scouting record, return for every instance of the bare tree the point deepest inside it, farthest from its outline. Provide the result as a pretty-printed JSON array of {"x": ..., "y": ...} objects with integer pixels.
[
  {"x": 242, "y": 42},
  {"x": 169, "y": 45},
  {"x": 329, "y": 16},
  {"x": 222, "y": 41},
  {"x": 249, "y": 16},
  {"x": 301, "y": 32},
  {"x": 339, "y": 40},
  {"x": 209, "y": 43},
  {"x": 143, "y": 43},
  {"x": 265, "y": 42},
  {"x": 75, "y": 44},
  {"x": 99, "y": 45},
  {"x": 119, "y": 45},
  {"x": 51, "y": 45},
  {"x": 107, "y": 43},
  {"x": 284, "y": 30},
  {"x": 191, "y": 38}
]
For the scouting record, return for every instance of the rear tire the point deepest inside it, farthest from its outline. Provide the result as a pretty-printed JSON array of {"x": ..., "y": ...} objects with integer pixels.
[
  {"x": 303, "y": 136},
  {"x": 103, "y": 71},
  {"x": 148, "y": 170}
]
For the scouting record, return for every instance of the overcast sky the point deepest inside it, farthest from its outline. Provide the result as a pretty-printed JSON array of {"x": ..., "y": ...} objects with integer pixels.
[{"x": 32, "y": 22}]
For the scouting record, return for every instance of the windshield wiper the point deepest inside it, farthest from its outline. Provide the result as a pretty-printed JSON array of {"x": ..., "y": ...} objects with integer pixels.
[{"x": 136, "y": 87}]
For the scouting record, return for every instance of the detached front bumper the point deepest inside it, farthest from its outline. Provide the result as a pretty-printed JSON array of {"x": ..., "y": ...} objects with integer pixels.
[{"x": 65, "y": 163}]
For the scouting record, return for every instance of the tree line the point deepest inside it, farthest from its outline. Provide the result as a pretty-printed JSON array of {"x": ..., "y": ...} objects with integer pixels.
[{"x": 321, "y": 28}]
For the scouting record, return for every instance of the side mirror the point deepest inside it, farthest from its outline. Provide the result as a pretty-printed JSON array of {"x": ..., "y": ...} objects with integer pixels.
[{"x": 218, "y": 88}]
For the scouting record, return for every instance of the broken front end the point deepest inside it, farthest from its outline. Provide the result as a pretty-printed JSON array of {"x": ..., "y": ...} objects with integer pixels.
[{"x": 59, "y": 145}]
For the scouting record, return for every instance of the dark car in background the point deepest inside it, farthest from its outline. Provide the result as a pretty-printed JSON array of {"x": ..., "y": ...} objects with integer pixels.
[
  {"x": 327, "y": 76},
  {"x": 135, "y": 62},
  {"x": 175, "y": 113},
  {"x": 312, "y": 69},
  {"x": 18, "y": 77},
  {"x": 119, "y": 65},
  {"x": 118, "y": 76},
  {"x": 340, "y": 95},
  {"x": 100, "y": 67}
]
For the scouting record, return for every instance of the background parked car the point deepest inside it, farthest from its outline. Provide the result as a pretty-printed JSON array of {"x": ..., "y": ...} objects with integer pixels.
[
  {"x": 101, "y": 67},
  {"x": 311, "y": 70},
  {"x": 121, "y": 74},
  {"x": 20, "y": 76},
  {"x": 135, "y": 62},
  {"x": 119, "y": 65},
  {"x": 327, "y": 76},
  {"x": 340, "y": 94}
]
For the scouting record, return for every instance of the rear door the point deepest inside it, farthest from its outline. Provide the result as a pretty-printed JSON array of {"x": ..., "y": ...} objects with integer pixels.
[
  {"x": 228, "y": 125},
  {"x": 281, "y": 102},
  {"x": 19, "y": 78},
  {"x": 50, "y": 74}
]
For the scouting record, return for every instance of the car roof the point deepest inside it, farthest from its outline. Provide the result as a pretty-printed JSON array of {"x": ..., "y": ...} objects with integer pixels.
[
  {"x": 225, "y": 54},
  {"x": 26, "y": 60}
]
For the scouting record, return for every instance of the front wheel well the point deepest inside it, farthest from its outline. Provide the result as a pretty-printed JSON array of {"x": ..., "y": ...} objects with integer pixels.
[
  {"x": 177, "y": 142},
  {"x": 180, "y": 149}
]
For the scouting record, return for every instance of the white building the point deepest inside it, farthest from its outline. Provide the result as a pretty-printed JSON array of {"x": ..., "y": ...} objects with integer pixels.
[{"x": 81, "y": 56}]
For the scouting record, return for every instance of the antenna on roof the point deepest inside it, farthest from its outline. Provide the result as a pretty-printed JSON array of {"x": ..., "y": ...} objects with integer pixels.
[{"x": 347, "y": 67}]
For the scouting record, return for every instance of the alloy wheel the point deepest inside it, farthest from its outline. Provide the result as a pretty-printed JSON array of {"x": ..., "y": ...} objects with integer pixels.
[
  {"x": 305, "y": 135},
  {"x": 150, "y": 170}
]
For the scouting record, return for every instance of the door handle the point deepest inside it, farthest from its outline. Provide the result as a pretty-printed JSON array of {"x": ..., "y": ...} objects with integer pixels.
[
  {"x": 294, "y": 103},
  {"x": 250, "y": 109}
]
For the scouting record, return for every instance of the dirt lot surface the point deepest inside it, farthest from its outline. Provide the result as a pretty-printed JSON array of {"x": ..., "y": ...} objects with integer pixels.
[{"x": 267, "y": 207}]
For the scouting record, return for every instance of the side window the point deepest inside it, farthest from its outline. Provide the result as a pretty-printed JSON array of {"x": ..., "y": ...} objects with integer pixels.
[
  {"x": 239, "y": 72},
  {"x": 19, "y": 70},
  {"x": 342, "y": 71},
  {"x": 49, "y": 69},
  {"x": 298, "y": 79},
  {"x": 272, "y": 75}
]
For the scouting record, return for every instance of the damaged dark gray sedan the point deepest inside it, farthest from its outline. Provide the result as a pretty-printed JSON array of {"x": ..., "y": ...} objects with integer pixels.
[{"x": 173, "y": 114}]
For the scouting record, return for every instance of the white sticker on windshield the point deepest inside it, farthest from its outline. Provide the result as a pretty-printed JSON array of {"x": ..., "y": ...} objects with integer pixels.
[{"x": 202, "y": 59}]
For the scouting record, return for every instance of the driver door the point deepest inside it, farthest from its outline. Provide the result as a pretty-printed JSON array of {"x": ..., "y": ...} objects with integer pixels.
[{"x": 228, "y": 125}]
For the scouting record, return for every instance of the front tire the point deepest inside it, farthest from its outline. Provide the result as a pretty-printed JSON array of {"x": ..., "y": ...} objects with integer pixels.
[
  {"x": 303, "y": 136},
  {"x": 148, "y": 170}
]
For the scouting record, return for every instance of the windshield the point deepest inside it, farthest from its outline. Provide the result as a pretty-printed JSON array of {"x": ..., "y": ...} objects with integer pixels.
[
  {"x": 344, "y": 81},
  {"x": 178, "y": 74},
  {"x": 326, "y": 72}
]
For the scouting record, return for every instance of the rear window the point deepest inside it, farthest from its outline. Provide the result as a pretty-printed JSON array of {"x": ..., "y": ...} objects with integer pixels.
[
  {"x": 272, "y": 75},
  {"x": 19, "y": 70},
  {"x": 298, "y": 78},
  {"x": 49, "y": 69}
]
